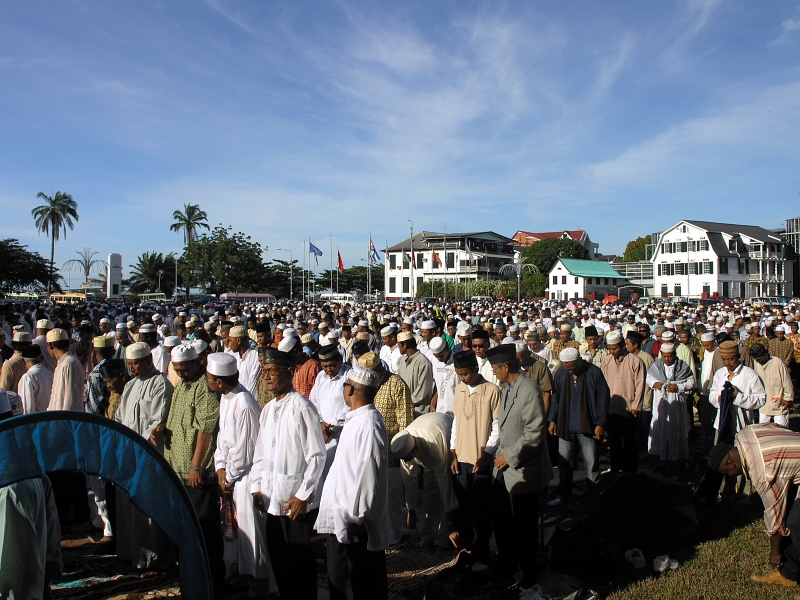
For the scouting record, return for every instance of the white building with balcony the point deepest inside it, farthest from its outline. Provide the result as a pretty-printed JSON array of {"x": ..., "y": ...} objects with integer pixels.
[
  {"x": 444, "y": 257},
  {"x": 718, "y": 260}
]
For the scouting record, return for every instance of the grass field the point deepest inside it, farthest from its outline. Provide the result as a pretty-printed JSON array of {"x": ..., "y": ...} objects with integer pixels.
[{"x": 720, "y": 570}]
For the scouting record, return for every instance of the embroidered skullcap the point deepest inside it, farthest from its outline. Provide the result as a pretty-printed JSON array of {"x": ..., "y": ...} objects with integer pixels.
[
  {"x": 667, "y": 335},
  {"x": 667, "y": 347},
  {"x": 240, "y": 331},
  {"x": 387, "y": 331},
  {"x": 137, "y": 351},
  {"x": 222, "y": 364},
  {"x": 437, "y": 345},
  {"x": 366, "y": 377},
  {"x": 44, "y": 324},
  {"x": 566, "y": 327},
  {"x": 183, "y": 354},
  {"x": 172, "y": 340},
  {"x": 307, "y": 338},
  {"x": 568, "y": 355},
  {"x": 272, "y": 356},
  {"x": 370, "y": 360},
  {"x": 707, "y": 337},
  {"x": 402, "y": 444},
  {"x": 404, "y": 336},
  {"x": 54, "y": 335},
  {"x": 729, "y": 349},
  {"x": 200, "y": 346},
  {"x": 102, "y": 341},
  {"x": 614, "y": 337}
]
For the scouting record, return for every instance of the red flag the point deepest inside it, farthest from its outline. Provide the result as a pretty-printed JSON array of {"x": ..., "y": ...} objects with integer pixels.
[
  {"x": 341, "y": 262},
  {"x": 436, "y": 259}
]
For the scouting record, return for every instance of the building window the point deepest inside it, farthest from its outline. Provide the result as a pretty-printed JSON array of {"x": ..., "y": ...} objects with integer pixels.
[
  {"x": 732, "y": 245},
  {"x": 576, "y": 281},
  {"x": 555, "y": 279},
  {"x": 677, "y": 289},
  {"x": 772, "y": 268},
  {"x": 706, "y": 289},
  {"x": 576, "y": 295},
  {"x": 780, "y": 290},
  {"x": 419, "y": 282},
  {"x": 563, "y": 280},
  {"x": 780, "y": 268},
  {"x": 588, "y": 281},
  {"x": 726, "y": 289},
  {"x": 392, "y": 261},
  {"x": 406, "y": 263},
  {"x": 664, "y": 291},
  {"x": 703, "y": 244},
  {"x": 605, "y": 281},
  {"x": 418, "y": 258},
  {"x": 692, "y": 268},
  {"x": 434, "y": 263},
  {"x": 450, "y": 260},
  {"x": 723, "y": 267},
  {"x": 692, "y": 246},
  {"x": 708, "y": 267},
  {"x": 756, "y": 267},
  {"x": 741, "y": 266},
  {"x": 392, "y": 285},
  {"x": 406, "y": 281}
]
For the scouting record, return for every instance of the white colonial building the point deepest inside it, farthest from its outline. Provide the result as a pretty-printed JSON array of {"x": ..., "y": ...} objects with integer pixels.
[
  {"x": 718, "y": 260},
  {"x": 444, "y": 257},
  {"x": 571, "y": 278}
]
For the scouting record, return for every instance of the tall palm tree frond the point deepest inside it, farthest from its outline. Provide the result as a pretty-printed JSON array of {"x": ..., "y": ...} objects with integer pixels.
[
  {"x": 56, "y": 214},
  {"x": 190, "y": 220}
]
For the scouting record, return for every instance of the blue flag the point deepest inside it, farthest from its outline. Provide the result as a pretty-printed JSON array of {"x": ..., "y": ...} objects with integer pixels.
[
  {"x": 312, "y": 249},
  {"x": 373, "y": 254}
]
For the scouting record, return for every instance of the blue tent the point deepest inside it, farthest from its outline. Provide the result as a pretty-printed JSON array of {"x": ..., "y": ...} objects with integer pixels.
[{"x": 31, "y": 445}]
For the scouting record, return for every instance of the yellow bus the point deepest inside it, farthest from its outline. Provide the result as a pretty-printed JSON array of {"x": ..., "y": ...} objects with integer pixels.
[{"x": 69, "y": 298}]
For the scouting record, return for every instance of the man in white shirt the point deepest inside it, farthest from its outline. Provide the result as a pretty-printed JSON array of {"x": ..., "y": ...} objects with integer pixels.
[
  {"x": 161, "y": 359},
  {"x": 390, "y": 353},
  {"x": 42, "y": 327},
  {"x": 777, "y": 384},
  {"x": 246, "y": 358},
  {"x": 233, "y": 459},
  {"x": 327, "y": 396},
  {"x": 287, "y": 466},
  {"x": 444, "y": 376},
  {"x": 36, "y": 384},
  {"x": 746, "y": 387},
  {"x": 354, "y": 509},
  {"x": 480, "y": 344}
]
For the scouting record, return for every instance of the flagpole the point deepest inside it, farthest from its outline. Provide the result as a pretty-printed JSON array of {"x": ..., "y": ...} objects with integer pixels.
[
  {"x": 411, "y": 240},
  {"x": 445, "y": 263},
  {"x": 337, "y": 270},
  {"x": 304, "y": 270},
  {"x": 369, "y": 265}
]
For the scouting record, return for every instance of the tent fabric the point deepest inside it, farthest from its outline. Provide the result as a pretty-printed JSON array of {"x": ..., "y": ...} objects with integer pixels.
[{"x": 32, "y": 445}]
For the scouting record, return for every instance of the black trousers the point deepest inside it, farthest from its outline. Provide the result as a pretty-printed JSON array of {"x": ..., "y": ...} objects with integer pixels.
[
  {"x": 206, "y": 504},
  {"x": 791, "y": 555},
  {"x": 622, "y": 443},
  {"x": 516, "y": 530},
  {"x": 355, "y": 573},
  {"x": 72, "y": 497},
  {"x": 291, "y": 555}
]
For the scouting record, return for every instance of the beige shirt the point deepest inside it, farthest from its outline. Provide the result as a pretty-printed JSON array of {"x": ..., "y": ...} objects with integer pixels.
[
  {"x": 777, "y": 383},
  {"x": 626, "y": 380},
  {"x": 68, "y": 384},
  {"x": 12, "y": 372},
  {"x": 647, "y": 400},
  {"x": 474, "y": 413}
]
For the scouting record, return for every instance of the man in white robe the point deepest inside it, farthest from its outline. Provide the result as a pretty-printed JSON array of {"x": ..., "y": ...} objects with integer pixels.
[
  {"x": 390, "y": 353},
  {"x": 327, "y": 396},
  {"x": 354, "y": 509},
  {"x": 746, "y": 386},
  {"x": 287, "y": 465},
  {"x": 670, "y": 379},
  {"x": 36, "y": 384},
  {"x": 246, "y": 544},
  {"x": 444, "y": 376},
  {"x": 144, "y": 408},
  {"x": 246, "y": 358},
  {"x": 42, "y": 327}
]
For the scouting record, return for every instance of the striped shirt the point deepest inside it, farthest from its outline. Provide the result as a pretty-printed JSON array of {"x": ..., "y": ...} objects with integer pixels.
[{"x": 771, "y": 461}]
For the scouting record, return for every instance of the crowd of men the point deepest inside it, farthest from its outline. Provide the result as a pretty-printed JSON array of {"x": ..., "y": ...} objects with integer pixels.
[{"x": 293, "y": 420}]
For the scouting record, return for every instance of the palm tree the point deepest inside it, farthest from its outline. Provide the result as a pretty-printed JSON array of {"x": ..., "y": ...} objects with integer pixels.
[
  {"x": 518, "y": 268},
  {"x": 85, "y": 263},
  {"x": 147, "y": 274},
  {"x": 189, "y": 221},
  {"x": 56, "y": 214}
]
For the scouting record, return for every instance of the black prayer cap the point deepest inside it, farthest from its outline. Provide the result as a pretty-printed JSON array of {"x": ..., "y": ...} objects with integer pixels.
[
  {"x": 480, "y": 334},
  {"x": 717, "y": 455},
  {"x": 636, "y": 337},
  {"x": 31, "y": 351},
  {"x": 465, "y": 360},
  {"x": 501, "y": 354},
  {"x": 273, "y": 356},
  {"x": 361, "y": 347},
  {"x": 112, "y": 368},
  {"x": 589, "y": 331},
  {"x": 328, "y": 352}
]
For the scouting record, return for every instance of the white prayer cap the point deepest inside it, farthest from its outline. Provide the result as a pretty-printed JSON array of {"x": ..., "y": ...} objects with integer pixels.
[
  {"x": 707, "y": 337},
  {"x": 44, "y": 324},
  {"x": 156, "y": 317},
  {"x": 402, "y": 444},
  {"x": 427, "y": 325},
  {"x": 513, "y": 328},
  {"x": 54, "y": 335},
  {"x": 408, "y": 321},
  {"x": 222, "y": 364},
  {"x": 287, "y": 343},
  {"x": 183, "y": 354},
  {"x": 568, "y": 355},
  {"x": 121, "y": 327},
  {"x": 667, "y": 335},
  {"x": 137, "y": 351},
  {"x": 199, "y": 346},
  {"x": 404, "y": 336},
  {"x": 363, "y": 323},
  {"x": 235, "y": 319},
  {"x": 367, "y": 377},
  {"x": 387, "y": 331},
  {"x": 437, "y": 345},
  {"x": 614, "y": 337},
  {"x": 335, "y": 334},
  {"x": 667, "y": 347},
  {"x": 508, "y": 340},
  {"x": 551, "y": 329},
  {"x": 24, "y": 336},
  {"x": 105, "y": 320},
  {"x": 240, "y": 331},
  {"x": 172, "y": 340},
  {"x": 289, "y": 332}
]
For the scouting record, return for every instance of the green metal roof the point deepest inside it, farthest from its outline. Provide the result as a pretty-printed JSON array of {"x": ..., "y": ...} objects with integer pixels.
[{"x": 590, "y": 268}]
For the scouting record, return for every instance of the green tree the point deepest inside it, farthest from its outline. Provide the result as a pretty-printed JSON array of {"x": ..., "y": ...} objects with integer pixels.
[
  {"x": 85, "y": 264},
  {"x": 223, "y": 261},
  {"x": 635, "y": 250},
  {"x": 189, "y": 221},
  {"x": 153, "y": 272},
  {"x": 544, "y": 255},
  {"x": 22, "y": 270},
  {"x": 55, "y": 214}
]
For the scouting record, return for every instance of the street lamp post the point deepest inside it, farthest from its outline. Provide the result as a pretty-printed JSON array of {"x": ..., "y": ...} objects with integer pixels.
[
  {"x": 411, "y": 286},
  {"x": 291, "y": 271}
]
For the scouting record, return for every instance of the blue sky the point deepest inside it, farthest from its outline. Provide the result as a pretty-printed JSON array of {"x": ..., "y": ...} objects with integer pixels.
[{"x": 296, "y": 119}]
